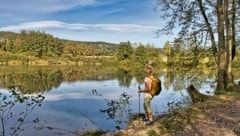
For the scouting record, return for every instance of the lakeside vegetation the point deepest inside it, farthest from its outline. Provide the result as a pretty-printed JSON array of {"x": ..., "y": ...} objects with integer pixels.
[{"x": 35, "y": 48}]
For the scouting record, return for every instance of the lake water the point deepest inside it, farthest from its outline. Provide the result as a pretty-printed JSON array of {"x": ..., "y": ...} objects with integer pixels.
[{"x": 75, "y": 97}]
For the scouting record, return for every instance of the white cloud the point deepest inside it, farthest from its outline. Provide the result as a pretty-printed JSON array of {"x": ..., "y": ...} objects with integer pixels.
[
  {"x": 40, "y": 6},
  {"x": 121, "y": 28},
  {"x": 125, "y": 28},
  {"x": 41, "y": 25}
]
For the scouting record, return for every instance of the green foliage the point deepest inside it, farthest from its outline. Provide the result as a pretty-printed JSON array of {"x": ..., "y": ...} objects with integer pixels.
[
  {"x": 29, "y": 47},
  {"x": 236, "y": 61},
  {"x": 124, "y": 51},
  {"x": 151, "y": 133},
  {"x": 39, "y": 44},
  {"x": 141, "y": 54},
  {"x": 35, "y": 43},
  {"x": 94, "y": 133},
  {"x": 76, "y": 49},
  {"x": 167, "y": 49},
  {"x": 182, "y": 56}
]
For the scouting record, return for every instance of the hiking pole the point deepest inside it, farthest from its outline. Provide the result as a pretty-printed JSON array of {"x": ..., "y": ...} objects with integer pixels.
[{"x": 139, "y": 88}]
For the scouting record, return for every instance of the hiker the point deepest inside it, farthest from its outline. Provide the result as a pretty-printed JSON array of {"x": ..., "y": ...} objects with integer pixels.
[{"x": 147, "y": 96}]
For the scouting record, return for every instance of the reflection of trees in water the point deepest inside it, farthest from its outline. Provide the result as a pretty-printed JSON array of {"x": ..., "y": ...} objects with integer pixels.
[
  {"x": 124, "y": 77},
  {"x": 181, "y": 81},
  {"x": 139, "y": 75},
  {"x": 168, "y": 79},
  {"x": 14, "y": 121},
  {"x": 88, "y": 73},
  {"x": 40, "y": 79},
  {"x": 32, "y": 82}
]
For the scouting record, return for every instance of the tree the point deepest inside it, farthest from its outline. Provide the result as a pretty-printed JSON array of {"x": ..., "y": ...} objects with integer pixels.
[
  {"x": 207, "y": 22},
  {"x": 38, "y": 44},
  {"x": 167, "y": 49},
  {"x": 124, "y": 51},
  {"x": 140, "y": 54}
]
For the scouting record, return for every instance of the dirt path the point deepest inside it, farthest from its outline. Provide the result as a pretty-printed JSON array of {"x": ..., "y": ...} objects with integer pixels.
[{"x": 223, "y": 120}]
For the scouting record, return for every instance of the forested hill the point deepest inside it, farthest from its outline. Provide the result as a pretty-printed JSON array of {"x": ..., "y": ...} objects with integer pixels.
[
  {"x": 40, "y": 48},
  {"x": 6, "y": 34},
  {"x": 43, "y": 45},
  {"x": 91, "y": 42}
]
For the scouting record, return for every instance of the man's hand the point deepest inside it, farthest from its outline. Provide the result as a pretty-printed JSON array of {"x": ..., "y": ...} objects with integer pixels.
[{"x": 139, "y": 89}]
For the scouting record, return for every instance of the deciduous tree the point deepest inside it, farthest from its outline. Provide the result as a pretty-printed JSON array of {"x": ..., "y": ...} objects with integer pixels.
[{"x": 208, "y": 22}]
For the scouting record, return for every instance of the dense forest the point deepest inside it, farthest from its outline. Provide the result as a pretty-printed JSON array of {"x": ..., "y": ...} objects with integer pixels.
[{"x": 30, "y": 46}]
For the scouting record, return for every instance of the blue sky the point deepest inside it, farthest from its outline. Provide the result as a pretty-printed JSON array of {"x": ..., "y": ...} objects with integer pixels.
[{"x": 86, "y": 20}]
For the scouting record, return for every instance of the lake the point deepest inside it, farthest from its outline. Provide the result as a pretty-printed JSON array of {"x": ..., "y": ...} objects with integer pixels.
[{"x": 62, "y": 100}]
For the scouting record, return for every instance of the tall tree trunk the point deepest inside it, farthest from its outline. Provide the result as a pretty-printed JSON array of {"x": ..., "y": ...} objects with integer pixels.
[
  {"x": 234, "y": 6},
  {"x": 210, "y": 30},
  {"x": 229, "y": 44},
  {"x": 221, "y": 62},
  {"x": 233, "y": 41}
]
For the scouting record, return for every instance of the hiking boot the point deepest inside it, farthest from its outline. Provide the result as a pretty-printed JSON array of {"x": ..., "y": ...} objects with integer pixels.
[
  {"x": 145, "y": 119},
  {"x": 149, "y": 123}
]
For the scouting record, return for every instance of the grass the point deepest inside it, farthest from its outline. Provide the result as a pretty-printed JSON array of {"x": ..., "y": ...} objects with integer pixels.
[
  {"x": 151, "y": 133},
  {"x": 92, "y": 133}
]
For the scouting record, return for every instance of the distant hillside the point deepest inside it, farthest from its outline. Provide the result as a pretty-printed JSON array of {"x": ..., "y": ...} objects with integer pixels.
[
  {"x": 90, "y": 42},
  {"x": 100, "y": 48},
  {"x": 40, "y": 44},
  {"x": 98, "y": 43},
  {"x": 5, "y": 33}
]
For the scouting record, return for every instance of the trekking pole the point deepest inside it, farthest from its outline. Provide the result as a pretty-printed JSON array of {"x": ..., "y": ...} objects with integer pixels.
[{"x": 139, "y": 88}]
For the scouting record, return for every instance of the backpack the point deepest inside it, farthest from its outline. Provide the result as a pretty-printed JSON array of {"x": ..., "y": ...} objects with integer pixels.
[{"x": 156, "y": 86}]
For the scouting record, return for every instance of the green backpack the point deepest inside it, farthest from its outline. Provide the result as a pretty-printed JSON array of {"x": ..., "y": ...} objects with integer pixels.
[{"x": 156, "y": 86}]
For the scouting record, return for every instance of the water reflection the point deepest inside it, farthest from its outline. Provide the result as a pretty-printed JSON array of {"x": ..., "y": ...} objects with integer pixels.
[
  {"x": 15, "y": 110},
  {"x": 117, "y": 110},
  {"x": 71, "y": 106},
  {"x": 124, "y": 77},
  {"x": 30, "y": 81}
]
